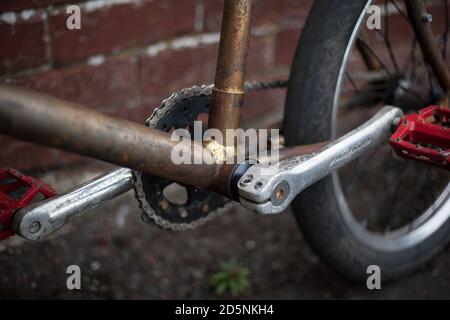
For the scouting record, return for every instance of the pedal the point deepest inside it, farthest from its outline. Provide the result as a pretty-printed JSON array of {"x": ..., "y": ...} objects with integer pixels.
[
  {"x": 424, "y": 136},
  {"x": 269, "y": 189},
  {"x": 18, "y": 191}
]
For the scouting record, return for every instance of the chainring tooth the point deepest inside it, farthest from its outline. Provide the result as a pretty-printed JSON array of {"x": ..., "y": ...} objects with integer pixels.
[{"x": 178, "y": 111}]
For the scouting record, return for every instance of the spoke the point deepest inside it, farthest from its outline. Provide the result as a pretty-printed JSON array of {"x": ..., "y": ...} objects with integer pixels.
[
  {"x": 368, "y": 218},
  {"x": 363, "y": 98},
  {"x": 391, "y": 53},
  {"x": 352, "y": 82},
  {"x": 356, "y": 171},
  {"x": 377, "y": 58},
  {"x": 389, "y": 161},
  {"x": 414, "y": 93},
  {"x": 444, "y": 50},
  {"x": 411, "y": 63},
  {"x": 395, "y": 197},
  {"x": 424, "y": 174},
  {"x": 430, "y": 83},
  {"x": 386, "y": 38},
  {"x": 404, "y": 15}
]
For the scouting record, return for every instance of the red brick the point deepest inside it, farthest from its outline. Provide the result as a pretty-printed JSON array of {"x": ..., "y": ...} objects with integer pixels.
[
  {"x": 172, "y": 70},
  {"x": 22, "y": 45},
  {"x": 138, "y": 114},
  {"x": 286, "y": 44},
  {"x": 28, "y": 157},
  {"x": 213, "y": 14},
  {"x": 284, "y": 13},
  {"x": 261, "y": 54},
  {"x": 259, "y": 104},
  {"x": 102, "y": 86},
  {"x": 120, "y": 26},
  {"x": 14, "y": 5}
]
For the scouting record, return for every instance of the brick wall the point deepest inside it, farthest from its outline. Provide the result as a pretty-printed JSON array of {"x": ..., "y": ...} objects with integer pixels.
[{"x": 130, "y": 54}]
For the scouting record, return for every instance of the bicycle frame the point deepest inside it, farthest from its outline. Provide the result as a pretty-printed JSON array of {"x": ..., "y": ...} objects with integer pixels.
[{"x": 56, "y": 123}]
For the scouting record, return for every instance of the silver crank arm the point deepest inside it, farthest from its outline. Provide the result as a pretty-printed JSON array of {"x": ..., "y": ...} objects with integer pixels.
[
  {"x": 269, "y": 189},
  {"x": 38, "y": 221}
]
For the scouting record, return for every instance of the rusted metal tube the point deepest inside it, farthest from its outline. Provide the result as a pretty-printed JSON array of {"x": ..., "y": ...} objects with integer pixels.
[
  {"x": 56, "y": 123},
  {"x": 422, "y": 28},
  {"x": 228, "y": 93}
]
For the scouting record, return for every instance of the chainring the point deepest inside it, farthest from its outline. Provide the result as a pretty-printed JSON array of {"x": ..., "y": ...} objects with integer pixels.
[{"x": 178, "y": 111}]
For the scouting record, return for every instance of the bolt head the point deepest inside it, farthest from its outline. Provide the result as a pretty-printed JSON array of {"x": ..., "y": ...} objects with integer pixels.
[
  {"x": 428, "y": 18},
  {"x": 246, "y": 180},
  {"x": 34, "y": 227},
  {"x": 280, "y": 193}
]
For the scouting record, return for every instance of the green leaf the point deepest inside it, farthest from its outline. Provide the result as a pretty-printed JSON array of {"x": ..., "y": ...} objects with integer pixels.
[{"x": 221, "y": 288}]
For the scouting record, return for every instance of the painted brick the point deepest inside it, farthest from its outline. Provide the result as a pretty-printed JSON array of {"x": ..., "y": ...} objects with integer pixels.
[
  {"x": 29, "y": 158},
  {"x": 138, "y": 114},
  {"x": 14, "y": 5},
  {"x": 261, "y": 54},
  {"x": 121, "y": 26},
  {"x": 284, "y": 13},
  {"x": 261, "y": 104},
  {"x": 172, "y": 70},
  {"x": 22, "y": 44},
  {"x": 101, "y": 86},
  {"x": 286, "y": 44}
]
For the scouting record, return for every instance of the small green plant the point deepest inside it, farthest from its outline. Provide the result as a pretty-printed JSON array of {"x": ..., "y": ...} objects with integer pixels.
[{"x": 230, "y": 278}]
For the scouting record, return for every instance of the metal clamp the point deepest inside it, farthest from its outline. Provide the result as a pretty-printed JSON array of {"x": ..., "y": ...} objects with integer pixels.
[{"x": 269, "y": 189}]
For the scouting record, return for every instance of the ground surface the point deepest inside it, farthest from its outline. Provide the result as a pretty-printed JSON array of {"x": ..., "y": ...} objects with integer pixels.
[{"x": 121, "y": 257}]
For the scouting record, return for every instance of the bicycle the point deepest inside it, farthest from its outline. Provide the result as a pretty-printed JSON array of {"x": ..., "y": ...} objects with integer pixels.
[{"x": 326, "y": 86}]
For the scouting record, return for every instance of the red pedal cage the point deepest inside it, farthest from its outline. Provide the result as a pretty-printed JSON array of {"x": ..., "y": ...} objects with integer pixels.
[
  {"x": 18, "y": 191},
  {"x": 424, "y": 136}
]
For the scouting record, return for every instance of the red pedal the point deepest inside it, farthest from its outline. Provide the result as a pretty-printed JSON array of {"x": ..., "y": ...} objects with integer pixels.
[
  {"x": 424, "y": 136},
  {"x": 18, "y": 191}
]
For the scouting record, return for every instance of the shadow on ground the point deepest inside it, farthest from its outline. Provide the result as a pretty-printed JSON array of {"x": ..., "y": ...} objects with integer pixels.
[{"x": 121, "y": 257}]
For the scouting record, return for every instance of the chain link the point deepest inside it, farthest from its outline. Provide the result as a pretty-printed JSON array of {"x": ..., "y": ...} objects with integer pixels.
[{"x": 256, "y": 85}]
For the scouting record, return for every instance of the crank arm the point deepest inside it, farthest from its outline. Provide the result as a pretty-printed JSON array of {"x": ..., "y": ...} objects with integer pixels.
[
  {"x": 269, "y": 189},
  {"x": 38, "y": 221}
]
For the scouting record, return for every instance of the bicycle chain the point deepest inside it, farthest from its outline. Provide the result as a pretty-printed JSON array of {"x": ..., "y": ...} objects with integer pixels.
[{"x": 149, "y": 214}]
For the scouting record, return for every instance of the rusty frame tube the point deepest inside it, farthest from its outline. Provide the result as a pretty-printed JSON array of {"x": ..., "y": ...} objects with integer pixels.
[
  {"x": 228, "y": 92},
  {"x": 53, "y": 122},
  {"x": 68, "y": 126},
  {"x": 422, "y": 29}
]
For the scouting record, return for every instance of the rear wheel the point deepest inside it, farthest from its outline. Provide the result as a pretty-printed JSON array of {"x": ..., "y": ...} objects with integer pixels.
[{"x": 379, "y": 210}]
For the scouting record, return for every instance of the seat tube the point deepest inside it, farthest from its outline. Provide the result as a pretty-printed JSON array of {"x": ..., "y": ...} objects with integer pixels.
[{"x": 228, "y": 93}]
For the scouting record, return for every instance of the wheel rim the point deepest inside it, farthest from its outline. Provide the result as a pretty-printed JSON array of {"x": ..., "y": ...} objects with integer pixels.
[{"x": 422, "y": 226}]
